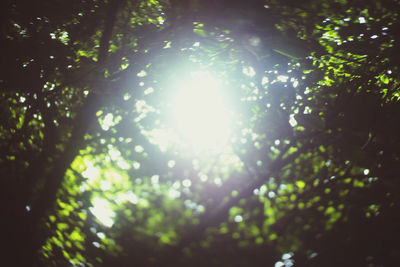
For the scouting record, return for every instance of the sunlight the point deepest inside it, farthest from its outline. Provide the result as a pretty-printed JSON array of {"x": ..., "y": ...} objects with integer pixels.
[
  {"x": 200, "y": 112},
  {"x": 102, "y": 211}
]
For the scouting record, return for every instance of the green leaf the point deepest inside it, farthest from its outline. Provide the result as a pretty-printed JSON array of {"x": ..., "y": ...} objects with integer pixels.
[{"x": 200, "y": 32}]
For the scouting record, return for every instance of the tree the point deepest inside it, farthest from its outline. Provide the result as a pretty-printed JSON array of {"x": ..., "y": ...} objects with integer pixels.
[{"x": 96, "y": 172}]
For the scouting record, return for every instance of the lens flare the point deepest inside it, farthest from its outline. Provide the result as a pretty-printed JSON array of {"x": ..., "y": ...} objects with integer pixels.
[{"x": 200, "y": 112}]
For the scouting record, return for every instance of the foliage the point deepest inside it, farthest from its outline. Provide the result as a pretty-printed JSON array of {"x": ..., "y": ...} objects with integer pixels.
[{"x": 309, "y": 174}]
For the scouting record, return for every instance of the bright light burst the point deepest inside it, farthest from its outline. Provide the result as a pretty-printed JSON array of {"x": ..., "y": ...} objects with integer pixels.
[{"x": 200, "y": 112}]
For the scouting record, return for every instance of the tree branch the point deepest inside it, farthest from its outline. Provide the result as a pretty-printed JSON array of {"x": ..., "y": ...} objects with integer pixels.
[
  {"x": 108, "y": 28},
  {"x": 219, "y": 214}
]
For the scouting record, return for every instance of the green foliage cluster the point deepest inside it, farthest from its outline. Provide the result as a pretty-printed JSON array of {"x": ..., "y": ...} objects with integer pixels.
[{"x": 311, "y": 174}]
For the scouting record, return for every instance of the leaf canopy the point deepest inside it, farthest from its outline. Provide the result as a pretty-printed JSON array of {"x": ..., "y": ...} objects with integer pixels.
[{"x": 94, "y": 173}]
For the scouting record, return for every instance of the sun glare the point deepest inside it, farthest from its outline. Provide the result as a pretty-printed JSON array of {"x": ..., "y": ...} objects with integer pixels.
[
  {"x": 102, "y": 211},
  {"x": 200, "y": 112}
]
